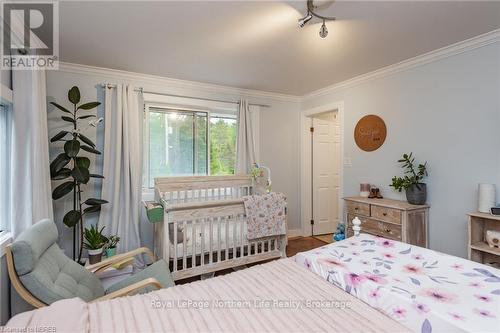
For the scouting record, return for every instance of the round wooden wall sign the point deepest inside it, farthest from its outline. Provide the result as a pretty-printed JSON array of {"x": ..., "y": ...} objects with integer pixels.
[{"x": 370, "y": 133}]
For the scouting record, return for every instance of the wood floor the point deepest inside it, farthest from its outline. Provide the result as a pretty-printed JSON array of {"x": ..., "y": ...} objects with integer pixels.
[
  {"x": 295, "y": 245},
  {"x": 301, "y": 244}
]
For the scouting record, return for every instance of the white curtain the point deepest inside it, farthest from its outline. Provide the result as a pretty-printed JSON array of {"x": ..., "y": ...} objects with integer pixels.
[
  {"x": 122, "y": 163},
  {"x": 30, "y": 187},
  {"x": 245, "y": 144}
]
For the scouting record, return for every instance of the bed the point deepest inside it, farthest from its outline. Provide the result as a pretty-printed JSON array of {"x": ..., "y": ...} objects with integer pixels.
[
  {"x": 424, "y": 290},
  {"x": 279, "y": 296},
  {"x": 362, "y": 284},
  {"x": 204, "y": 228}
]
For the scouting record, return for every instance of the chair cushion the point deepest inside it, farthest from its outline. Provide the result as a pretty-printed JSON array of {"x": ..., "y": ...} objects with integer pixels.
[
  {"x": 158, "y": 270},
  {"x": 56, "y": 277},
  {"x": 31, "y": 244}
]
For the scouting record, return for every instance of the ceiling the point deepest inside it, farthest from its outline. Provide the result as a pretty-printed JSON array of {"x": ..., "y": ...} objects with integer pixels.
[{"x": 258, "y": 45}]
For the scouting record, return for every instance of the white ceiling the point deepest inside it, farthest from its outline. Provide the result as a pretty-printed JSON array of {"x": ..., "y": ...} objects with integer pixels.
[{"x": 257, "y": 45}]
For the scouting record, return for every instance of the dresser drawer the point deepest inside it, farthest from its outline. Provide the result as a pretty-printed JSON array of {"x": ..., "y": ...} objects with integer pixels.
[
  {"x": 377, "y": 228},
  {"x": 386, "y": 214},
  {"x": 358, "y": 208}
]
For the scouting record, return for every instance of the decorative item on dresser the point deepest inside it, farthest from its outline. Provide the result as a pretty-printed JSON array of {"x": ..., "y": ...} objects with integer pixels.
[
  {"x": 479, "y": 250},
  {"x": 393, "y": 219}
]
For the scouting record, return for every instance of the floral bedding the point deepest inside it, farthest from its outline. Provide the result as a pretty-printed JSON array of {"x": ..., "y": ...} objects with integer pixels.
[
  {"x": 265, "y": 215},
  {"x": 424, "y": 290}
]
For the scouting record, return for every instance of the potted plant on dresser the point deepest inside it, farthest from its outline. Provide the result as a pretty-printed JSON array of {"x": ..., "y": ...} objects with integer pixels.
[
  {"x": 411, "y": 182},
  {"x": 94, "y": 243}
]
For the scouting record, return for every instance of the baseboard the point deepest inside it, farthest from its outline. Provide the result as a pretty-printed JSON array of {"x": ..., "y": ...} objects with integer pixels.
[{"x": 294, "y": 233}]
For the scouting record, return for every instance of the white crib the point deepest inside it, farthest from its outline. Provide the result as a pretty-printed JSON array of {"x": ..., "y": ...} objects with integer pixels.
[{"x": 208, "y": 214}]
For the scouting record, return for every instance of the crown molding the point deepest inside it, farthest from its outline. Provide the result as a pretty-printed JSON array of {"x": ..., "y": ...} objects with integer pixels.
[
  {"x": 420, "y": 60},
  {"x": 147, "y": 79}
]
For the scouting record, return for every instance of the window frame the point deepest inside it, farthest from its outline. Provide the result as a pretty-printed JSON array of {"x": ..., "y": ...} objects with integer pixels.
[{"x": 146, "y": 136}]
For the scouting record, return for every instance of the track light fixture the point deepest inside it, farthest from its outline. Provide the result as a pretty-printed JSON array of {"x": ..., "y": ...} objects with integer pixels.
[
  {"x": 323, "y": 32},
  {"x": 303, "y": 21}
]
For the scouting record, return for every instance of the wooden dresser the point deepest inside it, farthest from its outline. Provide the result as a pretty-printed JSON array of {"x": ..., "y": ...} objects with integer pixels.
[{"x": 393, "y": 219}]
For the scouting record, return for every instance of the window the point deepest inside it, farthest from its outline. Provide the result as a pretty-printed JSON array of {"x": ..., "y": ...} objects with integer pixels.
[
  {"x": 4, "y": 165},
  {"x": 187, "y": 142},
  {"x": 222, "y": 144}
]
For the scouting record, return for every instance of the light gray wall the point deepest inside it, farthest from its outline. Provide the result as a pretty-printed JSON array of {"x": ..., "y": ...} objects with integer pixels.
[
  {"x": 6, "y": 78},
  {"x": 278, "y": 139},
  {"x": 447, "y": 113}
]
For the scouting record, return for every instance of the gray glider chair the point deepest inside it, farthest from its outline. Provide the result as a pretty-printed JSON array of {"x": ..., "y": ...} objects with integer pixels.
[{"x": 42, "y": 274}]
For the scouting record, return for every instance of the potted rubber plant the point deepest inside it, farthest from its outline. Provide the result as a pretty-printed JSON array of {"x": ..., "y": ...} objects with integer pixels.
[
  {"x": 112, "y": 242},
  {"x": 411, "y": 182},
  {"x": 94, "y": 242},
  {"x": 73, "y": 167}
]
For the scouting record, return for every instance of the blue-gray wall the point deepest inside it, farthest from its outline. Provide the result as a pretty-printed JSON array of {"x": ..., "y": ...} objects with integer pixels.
[{"x": 447, "y": 113}]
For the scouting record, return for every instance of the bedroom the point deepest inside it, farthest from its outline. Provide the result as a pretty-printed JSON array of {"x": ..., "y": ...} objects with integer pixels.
[{"x": 184, "y": 94}]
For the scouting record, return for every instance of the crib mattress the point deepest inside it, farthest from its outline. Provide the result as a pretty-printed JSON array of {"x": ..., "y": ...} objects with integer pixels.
[
  {"x": 279, "y": 296},
  {"x": 235, "y": 236},
  {"x": 424, "y": 290}
]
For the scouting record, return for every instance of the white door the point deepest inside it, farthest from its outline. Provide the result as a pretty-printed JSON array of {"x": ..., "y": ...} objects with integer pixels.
[{"x": 326, "y": 172}]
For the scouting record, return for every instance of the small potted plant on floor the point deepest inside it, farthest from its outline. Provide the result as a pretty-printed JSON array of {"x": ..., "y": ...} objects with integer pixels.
[
  {"x": 416, "y": 191},
  {"x": 94, "y": 243},
  {"x": 111, "y": 243}
]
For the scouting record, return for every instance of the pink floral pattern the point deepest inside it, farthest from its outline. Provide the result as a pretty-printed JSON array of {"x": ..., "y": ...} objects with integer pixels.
[
  {"x": 425, "y": 290},
  {"x": 266, "y": 215}
]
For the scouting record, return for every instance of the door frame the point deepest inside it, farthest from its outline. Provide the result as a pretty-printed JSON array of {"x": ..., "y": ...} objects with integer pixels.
[{"x": 305, "y": 165}]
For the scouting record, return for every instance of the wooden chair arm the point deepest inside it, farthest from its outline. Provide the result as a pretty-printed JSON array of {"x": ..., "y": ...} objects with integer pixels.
[
  {"x": 130, "y": 289},
  {"x": 119, "y": 257}
]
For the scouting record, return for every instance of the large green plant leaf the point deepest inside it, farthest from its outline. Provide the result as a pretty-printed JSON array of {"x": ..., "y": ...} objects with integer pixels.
[
  {"x": 81, "y": 174},
  {"x": 87, "y": 116},
  {"x": 61, "y": 174},
  {"x": 62, "y": 108},
  {"x": 94, "y": 175},
  {"x": 89, "y": 106},
  {"x": 63, "y": 189},
  {"x": 58, "y": 163},
  {"x": 74, "y": 95},
  {"x": 90, "y": 150},
  {"x": 68, "y": 119},
  {"x": 82, "y": 162},
  {"x": 92, "y": 209},
  {"x": 95, "y": 202},
  {"x": 71, "y": 218},
  {"x": 59, "y": 136},
  {"x": 72, "y": 147},
  {"x": 86, "y": 140}
]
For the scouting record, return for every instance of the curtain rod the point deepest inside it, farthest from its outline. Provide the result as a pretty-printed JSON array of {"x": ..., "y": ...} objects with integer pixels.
[{"x": 141, "y": 90}]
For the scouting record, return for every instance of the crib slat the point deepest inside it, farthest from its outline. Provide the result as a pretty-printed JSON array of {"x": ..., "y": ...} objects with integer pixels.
[
  {"x": 202, "y": 250},
  {"x": 218, "y": 238},
  {"x": 241, "y": 237},
  {"x": 226, "y": 248},
  {"x": 184, "y": 245},
  {"x": 234, "y": 224},
  {"x": 175, "y": 246},
  {"x": 193, "y": 241},
  {"x": 210, "y": 241}
]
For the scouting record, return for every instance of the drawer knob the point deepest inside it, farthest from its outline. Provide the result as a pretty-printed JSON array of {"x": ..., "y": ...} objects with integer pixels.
[
  {"x": 356, "y": 208},
  {"x": 388, "y": 230},
  {"x": 385, "y": 214}
]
